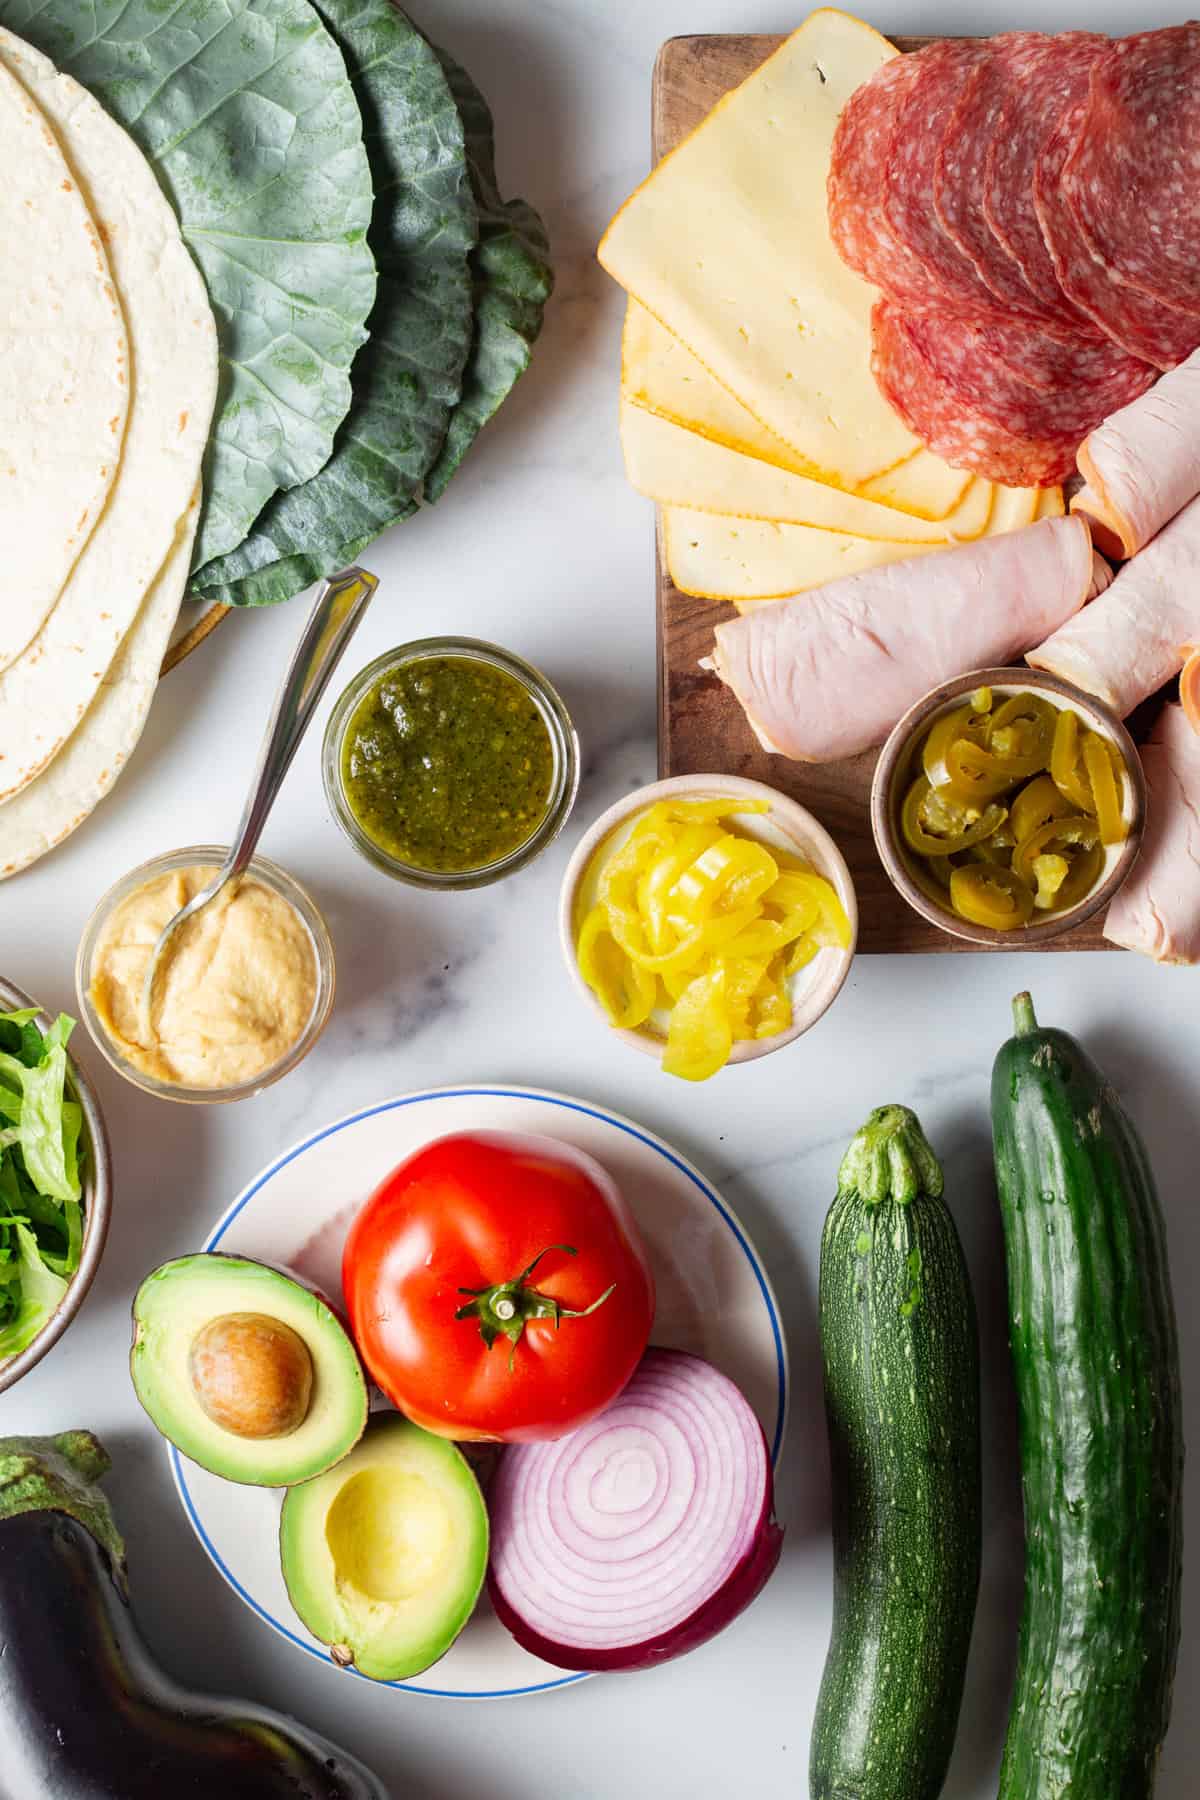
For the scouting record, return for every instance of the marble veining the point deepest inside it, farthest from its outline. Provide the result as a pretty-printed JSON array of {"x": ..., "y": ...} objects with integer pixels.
[{"x": 541, "y": 546}]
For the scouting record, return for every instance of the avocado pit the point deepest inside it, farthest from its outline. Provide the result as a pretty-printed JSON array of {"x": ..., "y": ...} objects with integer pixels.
[{"x": 253, "y": 1375}]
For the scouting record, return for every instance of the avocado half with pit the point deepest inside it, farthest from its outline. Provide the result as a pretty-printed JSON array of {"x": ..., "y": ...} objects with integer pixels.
[
  {"x": 246, "y": 1371},
  {"x": 385, "y": 1555}
]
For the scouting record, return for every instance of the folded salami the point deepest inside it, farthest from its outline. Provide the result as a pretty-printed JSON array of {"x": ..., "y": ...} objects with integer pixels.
[
  {"x": 950, "y": 278},
  {"x": 1029, "y": 208},
  {"x": 1131, "y": 179},
  {"x": 1142, "y": 465},
  {"x": 1141, "y": 324},
  {"x": 1046, "y": 76},
  {"x": 968, "y": 434}
]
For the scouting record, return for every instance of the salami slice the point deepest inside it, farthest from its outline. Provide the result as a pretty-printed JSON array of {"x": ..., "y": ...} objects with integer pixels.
[
  {"x": 950, "y": 277},
  {"x": 1164, "y": 335},
  {"x": 959, "y": 171},
  {"x": 1133, "y": 180},
  {"x": 862, "y": 148},
  {"x": 1034, "y": 385},
  {"x": 1047, "y": 76},
  {"x": 937, "y": 414}
]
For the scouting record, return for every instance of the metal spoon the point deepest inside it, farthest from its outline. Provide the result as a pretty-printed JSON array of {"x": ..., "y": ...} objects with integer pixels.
[{"x": 337, "y": 609}]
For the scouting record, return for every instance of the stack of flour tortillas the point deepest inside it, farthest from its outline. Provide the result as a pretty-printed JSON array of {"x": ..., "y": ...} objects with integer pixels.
[{"x": 108, "y": 376}]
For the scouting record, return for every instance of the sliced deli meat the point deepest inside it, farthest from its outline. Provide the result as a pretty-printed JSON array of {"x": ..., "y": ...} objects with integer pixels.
[
  {"x": 1047, "y": 76},
  {"x": 1142, "y": 324},
  {"x": 948, "y": 274},
  {"x": 860, "y": 159},
  {"x": 1131, "y": 641},
  {"x": 1131, "y": 179},
  {"x": 1142, "y": 465},
  {"x": 1031, "y": 381},
  {"x": 1157, "y": 910},
  {"x": 827, "y": 675},
  {"x": 934, "y": 408},
  {"x": 960, "y": 171}
]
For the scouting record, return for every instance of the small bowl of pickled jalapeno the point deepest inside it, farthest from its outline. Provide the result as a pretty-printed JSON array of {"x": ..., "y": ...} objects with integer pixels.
[{"x": 1007, "y": 807}]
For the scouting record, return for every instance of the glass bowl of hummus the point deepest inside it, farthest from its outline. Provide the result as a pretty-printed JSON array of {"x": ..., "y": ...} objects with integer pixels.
[{"x": 245, "y": 991}]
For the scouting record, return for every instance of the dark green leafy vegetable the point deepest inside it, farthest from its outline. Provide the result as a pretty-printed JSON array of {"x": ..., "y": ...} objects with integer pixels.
[
  {"x": 245, "y": 110},
  {"x": 407, "y": 378},
  {"x": 473, "y": 318},
  {"x": 41, "y": 1220},
  {"x": 513, "y": 279}
]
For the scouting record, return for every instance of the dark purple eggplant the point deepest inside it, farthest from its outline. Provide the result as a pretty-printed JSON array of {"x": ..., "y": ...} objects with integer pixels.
[{"x": 87, "y": 1713}]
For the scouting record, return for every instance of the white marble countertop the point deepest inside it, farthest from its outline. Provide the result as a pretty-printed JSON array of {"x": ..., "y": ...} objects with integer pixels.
[{"x": 541, "y": 546}]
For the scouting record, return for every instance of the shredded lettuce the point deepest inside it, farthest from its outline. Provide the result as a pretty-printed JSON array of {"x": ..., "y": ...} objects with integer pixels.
[{"x": 41, "y": 1219}]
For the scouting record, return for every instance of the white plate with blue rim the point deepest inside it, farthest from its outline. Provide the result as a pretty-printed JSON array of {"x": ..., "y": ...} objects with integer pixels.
[{"x": 714, "y": 1298}]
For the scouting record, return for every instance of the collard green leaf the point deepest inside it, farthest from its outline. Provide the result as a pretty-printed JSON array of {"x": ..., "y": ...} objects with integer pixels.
[
  {"x": 407, "y": 378},
  {"x": 246, "y": 112},
  {"x": 512, "y": 277}
]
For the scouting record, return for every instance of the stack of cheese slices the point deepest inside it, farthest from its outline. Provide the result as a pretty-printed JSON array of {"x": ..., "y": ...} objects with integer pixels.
[{"x": 748, "y": 407}]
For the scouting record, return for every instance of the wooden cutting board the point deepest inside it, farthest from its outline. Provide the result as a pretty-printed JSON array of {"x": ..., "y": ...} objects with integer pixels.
[{"x": 702, "y": 729}]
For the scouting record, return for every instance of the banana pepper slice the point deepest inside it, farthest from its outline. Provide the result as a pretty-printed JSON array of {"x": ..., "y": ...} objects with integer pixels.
[{"x": 696, "y": 921}]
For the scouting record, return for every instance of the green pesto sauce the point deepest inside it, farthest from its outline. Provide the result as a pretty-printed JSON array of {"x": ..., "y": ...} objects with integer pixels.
[{"x": 447, "y": 764}]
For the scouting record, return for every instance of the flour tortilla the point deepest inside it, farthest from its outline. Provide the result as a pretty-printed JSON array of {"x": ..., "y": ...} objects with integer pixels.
[
  {"x": 64, "y": 370},
  {"x": 54, "y": 805},
  {"x": 173, "y": 352}
]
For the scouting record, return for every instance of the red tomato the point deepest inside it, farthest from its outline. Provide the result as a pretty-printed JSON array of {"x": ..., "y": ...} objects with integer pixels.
[{"x": 498, "y": 1287}]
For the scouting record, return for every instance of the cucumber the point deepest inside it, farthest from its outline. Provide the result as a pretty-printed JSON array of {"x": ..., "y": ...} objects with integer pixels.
[
  {"x": 901, "y": 1359},
  {"x": 1096, "y": 1363}
]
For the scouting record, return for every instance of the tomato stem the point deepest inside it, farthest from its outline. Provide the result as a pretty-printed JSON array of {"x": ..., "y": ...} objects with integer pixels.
[{"x": 505, "y": 1309}]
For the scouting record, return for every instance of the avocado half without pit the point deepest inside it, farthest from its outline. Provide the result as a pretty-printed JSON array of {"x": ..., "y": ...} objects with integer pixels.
[
  {"x": 246, "y": 1371},
  {"x": 384, "y": 1556}
]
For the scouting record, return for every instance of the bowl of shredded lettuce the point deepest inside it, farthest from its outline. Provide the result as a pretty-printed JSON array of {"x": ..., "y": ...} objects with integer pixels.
[{"x": 55, "y": 1181}]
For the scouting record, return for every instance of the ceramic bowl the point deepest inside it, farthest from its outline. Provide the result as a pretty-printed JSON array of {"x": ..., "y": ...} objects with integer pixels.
[
  {"x": 96, "y": 1202},
  {"x": 895, "y": 766},
  {"x": 786, "y": 824}
]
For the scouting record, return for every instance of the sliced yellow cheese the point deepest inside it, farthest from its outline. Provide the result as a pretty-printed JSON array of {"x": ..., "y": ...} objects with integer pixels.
[
  {"x": 747, "y": 560},
  {"x": 680, "y": 468},
  {"x": 727, "y": 244},
  {"x": 1051, "y": 504},
  {"x": 661, "y": 375}
]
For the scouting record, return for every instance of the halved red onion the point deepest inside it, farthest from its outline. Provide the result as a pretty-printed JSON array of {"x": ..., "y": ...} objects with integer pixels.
[{"x": 644, "y": 1533}]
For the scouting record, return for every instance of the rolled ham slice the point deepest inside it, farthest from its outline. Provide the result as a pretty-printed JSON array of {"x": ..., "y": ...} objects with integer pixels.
[
  {"x": 1189, "y": 685},
  {"x": 826, "y": 674},
  {"x": 1158, "y": 909},
  {"x": 1142, "y": 466},
  {"x": 1126, "y": 645}
]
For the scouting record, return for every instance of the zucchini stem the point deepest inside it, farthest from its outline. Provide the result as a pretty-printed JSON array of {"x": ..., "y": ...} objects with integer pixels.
[{"x": 1024, "y": 1017}]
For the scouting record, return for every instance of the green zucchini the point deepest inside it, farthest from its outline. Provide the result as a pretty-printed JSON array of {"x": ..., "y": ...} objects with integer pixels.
[
  {"x": 1096, "y": 1362},
  {"x": 900, "y": 1348}
]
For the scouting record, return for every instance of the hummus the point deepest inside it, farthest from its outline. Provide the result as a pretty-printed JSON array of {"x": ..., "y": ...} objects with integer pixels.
[{"x": 234, "y": 994}]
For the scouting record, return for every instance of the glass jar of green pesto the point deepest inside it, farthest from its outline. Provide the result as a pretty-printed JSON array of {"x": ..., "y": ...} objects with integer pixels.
[{"x": 450, "y": 763}]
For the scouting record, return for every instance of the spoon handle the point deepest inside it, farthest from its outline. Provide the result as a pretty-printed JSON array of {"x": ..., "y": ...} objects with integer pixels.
[{"x": 337, "y": 609}]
